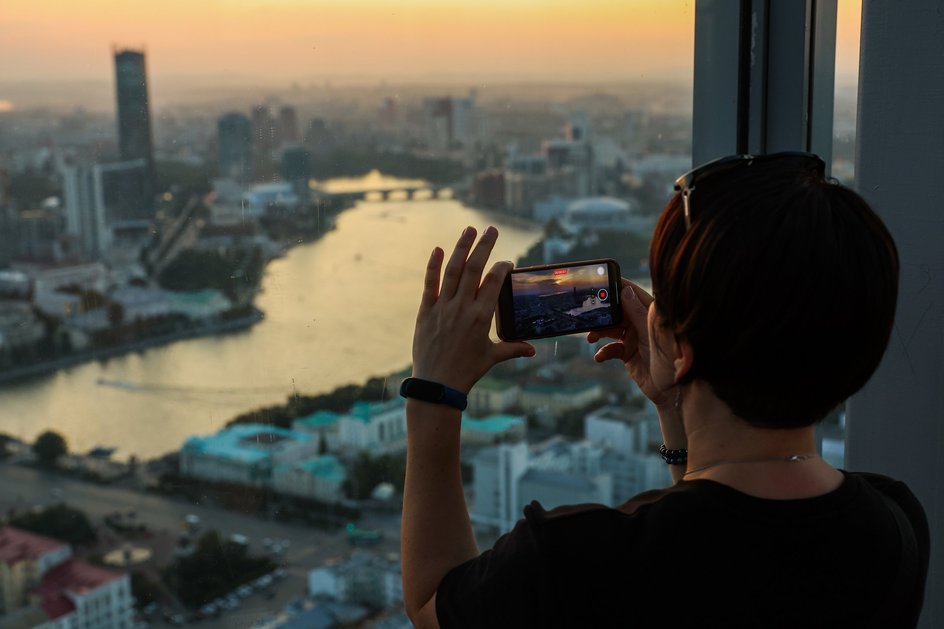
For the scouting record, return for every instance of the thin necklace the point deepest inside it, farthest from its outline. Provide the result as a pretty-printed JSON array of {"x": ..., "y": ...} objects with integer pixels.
[{"x": 792, "y": 458}]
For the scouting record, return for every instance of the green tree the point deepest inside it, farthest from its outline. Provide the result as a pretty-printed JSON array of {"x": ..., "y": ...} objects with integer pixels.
[
  {"x": 144, "y": 590},
  {"x": 48, "y": 447},
  {"x": 59, "y": 522},
  {"x": 215, "y": 568},
  {"x": 5, "y": 440}
]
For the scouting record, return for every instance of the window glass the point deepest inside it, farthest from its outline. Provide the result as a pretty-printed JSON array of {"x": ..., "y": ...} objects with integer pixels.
[
  {"x": 214, "y": 221},
  {"x": 849, "y": 19}
]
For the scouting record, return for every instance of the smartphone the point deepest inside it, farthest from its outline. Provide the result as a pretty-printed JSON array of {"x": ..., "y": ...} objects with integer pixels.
[{"x": 558, "y": 299}]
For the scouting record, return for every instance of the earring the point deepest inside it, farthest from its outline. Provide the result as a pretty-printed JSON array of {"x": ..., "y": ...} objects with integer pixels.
[{"x": 678, "y": 398}]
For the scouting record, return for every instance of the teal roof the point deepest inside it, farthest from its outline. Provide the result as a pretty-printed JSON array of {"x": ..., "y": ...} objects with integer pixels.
[
  {"x": 493, "y": 423},
  {"x": 326, "y": 467},
  {"x": 245, "y": 443},
  {"x": 319, "y": 419},
  {"x": 198, "y": 297},
  {"x": 365, "y": 410}
]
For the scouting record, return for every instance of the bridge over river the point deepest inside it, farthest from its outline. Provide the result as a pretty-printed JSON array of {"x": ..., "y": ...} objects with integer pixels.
[{"x": 412, "y": 192}]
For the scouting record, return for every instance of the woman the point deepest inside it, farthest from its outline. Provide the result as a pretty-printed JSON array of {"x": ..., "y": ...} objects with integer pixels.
[{"x": 775, "y": 293}]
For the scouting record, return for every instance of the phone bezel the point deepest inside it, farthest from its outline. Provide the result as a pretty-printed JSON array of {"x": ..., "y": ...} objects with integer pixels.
[{"x": 504, "y": 312}]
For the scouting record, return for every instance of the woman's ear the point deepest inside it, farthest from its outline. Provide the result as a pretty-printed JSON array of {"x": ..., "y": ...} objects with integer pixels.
[{"x": 684, "y": 356}]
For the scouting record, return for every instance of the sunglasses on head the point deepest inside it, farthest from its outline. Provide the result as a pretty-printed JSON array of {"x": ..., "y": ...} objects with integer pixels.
[{"x": 797, "y": 160}]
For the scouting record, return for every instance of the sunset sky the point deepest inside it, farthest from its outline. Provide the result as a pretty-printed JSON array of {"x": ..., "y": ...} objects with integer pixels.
[
  {"x": 551, "y": 282},
  {"x": 304, "y": 40}
]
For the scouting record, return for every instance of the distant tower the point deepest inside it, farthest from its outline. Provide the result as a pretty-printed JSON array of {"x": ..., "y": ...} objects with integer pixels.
[
  {"x": 134, "y": 116},
  {"x": 288, "y": 125},
  {"x": 234, "y": 140},
  {"x": 264, "y": 132}
]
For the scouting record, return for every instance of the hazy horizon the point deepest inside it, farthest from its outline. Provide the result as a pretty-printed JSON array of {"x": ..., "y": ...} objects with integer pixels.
[{"x": 51, "y": 47}]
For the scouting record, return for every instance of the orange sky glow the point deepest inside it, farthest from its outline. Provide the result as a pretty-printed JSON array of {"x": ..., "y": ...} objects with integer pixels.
[{"x": 279, "y": 40}]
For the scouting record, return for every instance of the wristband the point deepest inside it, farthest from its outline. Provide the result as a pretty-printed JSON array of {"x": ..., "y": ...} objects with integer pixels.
[{"x": 428, "y": 391}]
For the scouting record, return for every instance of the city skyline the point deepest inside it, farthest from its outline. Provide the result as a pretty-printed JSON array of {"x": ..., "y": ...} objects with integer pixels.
[{"x": 289, "y": 41}]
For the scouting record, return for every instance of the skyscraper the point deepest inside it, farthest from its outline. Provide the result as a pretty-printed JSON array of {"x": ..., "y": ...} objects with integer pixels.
[
  {"x": 134, "y": 116},
  {"x": 234, "y": 140},
  {"x": 288, "y": 125}
]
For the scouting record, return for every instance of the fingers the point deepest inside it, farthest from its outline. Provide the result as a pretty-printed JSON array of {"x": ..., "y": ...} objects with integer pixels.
[
  {"x": 472, "y": 272},
  {"x": 607, "y": 333},
  {"x": 644, "y": 297},
  {"x": 610, "y": 351},
  {"x": 635, "y": 313},
  {"x": 450, "y": 281},
  {"x": 431, "y": 281},
  {"x": 491, "y": 285},
  {"x": 506, "y": 350}
]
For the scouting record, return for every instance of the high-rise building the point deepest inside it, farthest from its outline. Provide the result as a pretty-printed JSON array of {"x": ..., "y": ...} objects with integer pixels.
[
  {"x": 319, "y": 138},
  {"x": 288, "y": 125},
  {"x": 450, "y": 122},
  {"x": 264, "y": 132},
  {"x": 131, "y": 185},
  {"x": 296, "y": 164},
  {"x": 234, "y": 140},
  {"x": 134, "y": 115},
  {"x": 387, "y": 114},
  {"x": 105, "y": 203}
]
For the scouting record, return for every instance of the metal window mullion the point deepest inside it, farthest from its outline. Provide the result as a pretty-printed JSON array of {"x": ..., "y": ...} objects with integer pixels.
[{"x": 764, "y": 77}]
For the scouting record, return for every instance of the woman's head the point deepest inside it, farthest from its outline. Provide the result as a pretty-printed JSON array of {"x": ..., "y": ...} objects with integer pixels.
[{"x": 784, "y": 285}]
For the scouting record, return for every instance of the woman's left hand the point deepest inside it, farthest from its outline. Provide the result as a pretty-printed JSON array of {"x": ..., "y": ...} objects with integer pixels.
[{"x": 451, "y": 344}]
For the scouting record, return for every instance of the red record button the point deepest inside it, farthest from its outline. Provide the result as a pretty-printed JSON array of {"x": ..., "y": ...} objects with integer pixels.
[{"x": 603, "y": 294}]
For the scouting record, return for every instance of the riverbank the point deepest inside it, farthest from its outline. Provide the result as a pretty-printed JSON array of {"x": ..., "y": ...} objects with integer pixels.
[
  {"x": 206, "y": 329},
  {"x": 338, "y": 310}
]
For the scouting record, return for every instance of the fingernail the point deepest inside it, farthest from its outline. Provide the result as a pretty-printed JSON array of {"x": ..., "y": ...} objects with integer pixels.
[
  {"x": 466, "y": 231},
  {"x": 629, "y": 293},
  {"x": 491, "y": 231}
]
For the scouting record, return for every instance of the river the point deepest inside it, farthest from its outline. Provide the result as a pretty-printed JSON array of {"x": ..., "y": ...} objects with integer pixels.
[{"x": 338, "y": 311}]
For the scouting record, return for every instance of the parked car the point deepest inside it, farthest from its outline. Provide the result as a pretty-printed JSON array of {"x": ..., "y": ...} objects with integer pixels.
[{"x": 239, "y": 538}]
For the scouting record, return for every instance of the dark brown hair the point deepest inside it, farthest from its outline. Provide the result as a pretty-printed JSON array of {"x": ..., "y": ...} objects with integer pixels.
[{"x": 785, "y": 286}]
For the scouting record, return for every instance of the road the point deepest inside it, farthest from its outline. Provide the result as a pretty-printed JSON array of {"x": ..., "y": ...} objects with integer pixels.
[{"x": 23, "y": 487}]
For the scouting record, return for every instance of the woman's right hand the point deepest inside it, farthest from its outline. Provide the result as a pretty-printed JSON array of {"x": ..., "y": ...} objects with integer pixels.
[{"x": 632, "y": 344}]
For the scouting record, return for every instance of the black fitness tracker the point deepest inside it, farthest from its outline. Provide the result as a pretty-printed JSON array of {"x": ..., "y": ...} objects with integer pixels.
[{"x": 428, "y": 391}]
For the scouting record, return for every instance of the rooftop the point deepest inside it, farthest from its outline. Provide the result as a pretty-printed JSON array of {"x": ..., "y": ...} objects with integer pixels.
[
  {"x": 17, "y": 545},
  {"x": 493, "y": 423},
  {"x": 597, "y": 205},
  {"x": 74, "y": 577},
  {"x": 364, "y": 411},
  {"x": 317, "y": 419},
  {"x": 247, "y": 443},
  {"x": 326, "y": 467},
  {"x": 561, "y": 479}
]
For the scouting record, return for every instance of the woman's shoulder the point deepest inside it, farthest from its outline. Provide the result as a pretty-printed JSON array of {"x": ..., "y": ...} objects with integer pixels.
[
  {"x": 859, "y": 495},
  {"x": 598, "y": 523}
]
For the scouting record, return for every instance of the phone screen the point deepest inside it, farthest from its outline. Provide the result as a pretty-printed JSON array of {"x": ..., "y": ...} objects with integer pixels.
[{"x": 563, "y": 299}]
